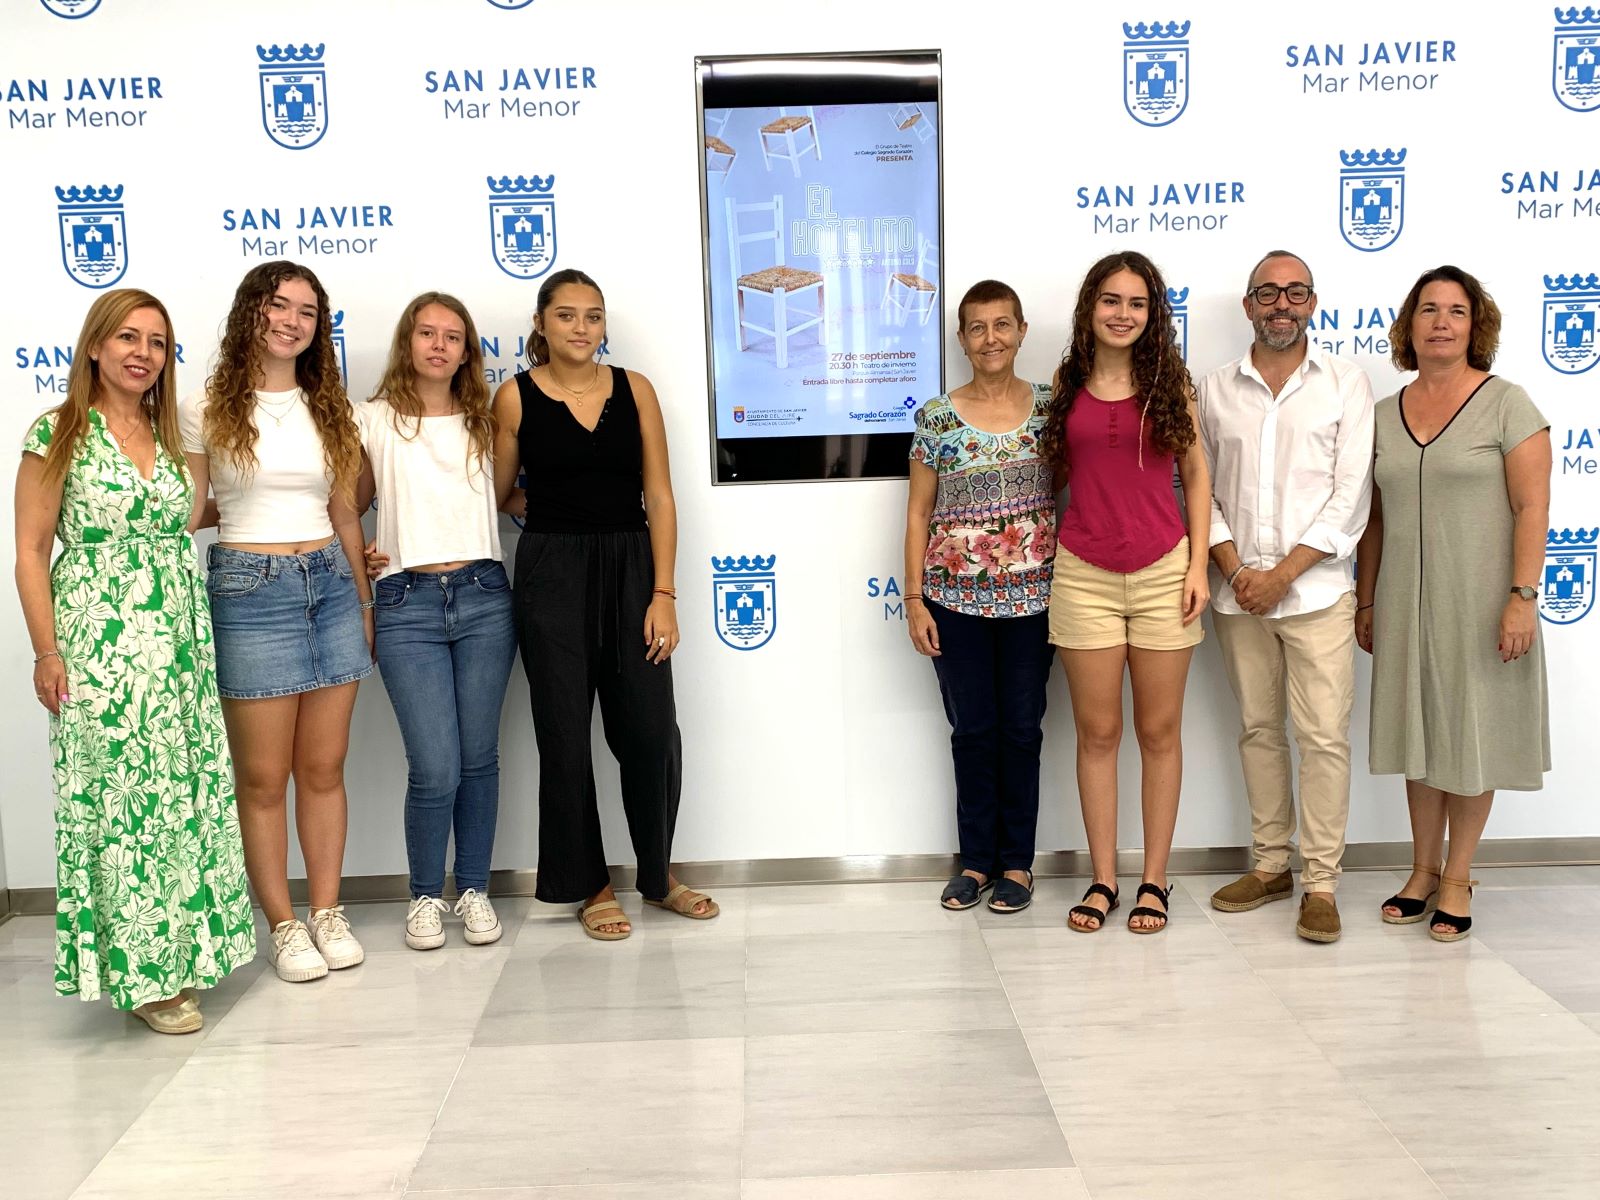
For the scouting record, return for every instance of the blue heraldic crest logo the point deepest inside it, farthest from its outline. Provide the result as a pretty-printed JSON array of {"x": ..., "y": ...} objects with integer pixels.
[
  {"x": 1372, "y": 197},
  {"x": 1575, "y": 72},
  {"x": 1155, "y": 71},
  {"x": 1178, "y": 300},
  {"x": 294, "y": 94},
  {"x": 1571, "y": 304},
  {"x": 71, "y": 9},
  {"x": 1567, "y": 591},
  {"x": 338, "y": 344},
  {"x": 94, "y": 238},
  {"x": 744, "y": 599},
  {"x": 522, "y": 224}
]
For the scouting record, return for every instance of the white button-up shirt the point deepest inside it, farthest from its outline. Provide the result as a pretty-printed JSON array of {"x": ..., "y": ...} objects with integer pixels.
[{"x": 1287, "y": 470}]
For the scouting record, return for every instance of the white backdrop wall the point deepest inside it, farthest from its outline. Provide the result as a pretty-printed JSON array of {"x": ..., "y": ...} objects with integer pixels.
[{"x": 830, "y": 739}]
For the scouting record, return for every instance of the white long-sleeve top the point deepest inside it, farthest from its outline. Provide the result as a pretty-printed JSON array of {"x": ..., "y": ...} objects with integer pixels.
[{"x": 1287, "y": 470}]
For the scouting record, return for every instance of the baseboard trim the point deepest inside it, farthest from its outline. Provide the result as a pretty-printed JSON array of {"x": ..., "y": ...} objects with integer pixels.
[{"x": 900, "y": 868}]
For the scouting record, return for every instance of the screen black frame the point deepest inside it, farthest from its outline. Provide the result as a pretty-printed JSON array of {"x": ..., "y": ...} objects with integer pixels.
[{"x": 745, "y": 81}]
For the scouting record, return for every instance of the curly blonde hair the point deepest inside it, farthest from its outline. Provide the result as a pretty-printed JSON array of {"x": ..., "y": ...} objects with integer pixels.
[{"x": 230, "y": 423}]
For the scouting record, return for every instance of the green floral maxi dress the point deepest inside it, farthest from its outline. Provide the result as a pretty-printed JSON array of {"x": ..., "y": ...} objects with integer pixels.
[{"x": 150, "y": 886}]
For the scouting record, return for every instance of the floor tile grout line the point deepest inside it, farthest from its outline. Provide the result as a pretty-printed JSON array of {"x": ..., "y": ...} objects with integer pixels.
[{"x": 1016, "y": 1023}]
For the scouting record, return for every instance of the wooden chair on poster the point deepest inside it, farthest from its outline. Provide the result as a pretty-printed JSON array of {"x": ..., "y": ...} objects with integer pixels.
[
  {"x": 784, "y": 130},
  {"x": 719, "y": 157},
  {"x": 782, "y": 283},
  {"x": 912, "y": 291},
  {"x": 909, "y": 118}
]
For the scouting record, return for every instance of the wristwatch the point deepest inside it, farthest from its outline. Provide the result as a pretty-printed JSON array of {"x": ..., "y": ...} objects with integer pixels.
[{"x": 1526, "y": 592}]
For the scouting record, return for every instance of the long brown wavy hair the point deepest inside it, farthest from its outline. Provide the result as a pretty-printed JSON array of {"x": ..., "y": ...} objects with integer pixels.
[
  {"x": 538, "y": 344},
  {"x": 230, "y": 423},
  {"x": 1159, "y": 375},
  {"x": 467, "y": 387},
  {"x": 108, "y": 314}
]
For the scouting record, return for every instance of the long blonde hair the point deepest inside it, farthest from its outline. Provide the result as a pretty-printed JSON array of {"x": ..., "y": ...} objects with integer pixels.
[
  {"x": 230, "y": 422},
  {"x": 468, "y": 387},
  {"x": 108, "y": 314}
]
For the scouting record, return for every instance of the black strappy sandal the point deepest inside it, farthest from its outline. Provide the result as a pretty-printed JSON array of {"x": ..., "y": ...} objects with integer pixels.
[
  {"x": 1089, "y": 910},
  {"x": 965, "y": 891},
  {"x": 1011, "y": 896},
  {"x": 1144, "y": 910},
  {"x": 1463, "y": 925},
  {"x": 1411, "y": 909}
]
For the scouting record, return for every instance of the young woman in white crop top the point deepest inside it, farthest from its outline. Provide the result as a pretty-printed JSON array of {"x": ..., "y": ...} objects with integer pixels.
[
  {"x": 273, "y": 435},
  {"x": 445, "y": 637}
]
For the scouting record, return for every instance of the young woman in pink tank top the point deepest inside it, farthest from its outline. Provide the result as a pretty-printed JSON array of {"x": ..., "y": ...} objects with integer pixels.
[{"x": 1130, "y": 571}]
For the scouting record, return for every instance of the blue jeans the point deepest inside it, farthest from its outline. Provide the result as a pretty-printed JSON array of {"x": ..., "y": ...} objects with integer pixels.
[
  {"x": 445, "y": 648},
  {"x": 992, "y": 674}
]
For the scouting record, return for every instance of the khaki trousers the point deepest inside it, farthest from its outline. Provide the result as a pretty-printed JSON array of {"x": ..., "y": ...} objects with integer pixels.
[{"x": 1301, "y": 667}]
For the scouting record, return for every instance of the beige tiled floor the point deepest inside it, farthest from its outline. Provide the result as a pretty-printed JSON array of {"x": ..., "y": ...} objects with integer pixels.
[{"x": 851, "y": 1042}]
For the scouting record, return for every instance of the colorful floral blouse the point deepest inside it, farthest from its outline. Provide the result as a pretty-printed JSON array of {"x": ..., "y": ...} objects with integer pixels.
[{"x": 991, "y": 539}]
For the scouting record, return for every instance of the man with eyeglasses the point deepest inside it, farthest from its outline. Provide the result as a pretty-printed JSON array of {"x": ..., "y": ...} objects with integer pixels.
[{"x": 1287, "y": 431}]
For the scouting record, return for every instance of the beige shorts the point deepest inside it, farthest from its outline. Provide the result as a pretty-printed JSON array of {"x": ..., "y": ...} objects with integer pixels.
[{"x": 1095, "y": 609}]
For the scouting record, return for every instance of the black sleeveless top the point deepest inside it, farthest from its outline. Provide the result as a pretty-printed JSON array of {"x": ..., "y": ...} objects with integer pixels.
[{"x": 582, "y": 482}]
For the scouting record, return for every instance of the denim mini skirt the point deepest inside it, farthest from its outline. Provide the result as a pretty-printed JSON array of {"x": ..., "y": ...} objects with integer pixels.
[{"x": 285, "y": 623}]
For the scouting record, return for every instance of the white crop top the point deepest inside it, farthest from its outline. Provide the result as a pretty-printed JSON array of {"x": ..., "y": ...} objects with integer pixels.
[
  {"x": 435, "y": 499},
  {"x": 285, "y": 498}
]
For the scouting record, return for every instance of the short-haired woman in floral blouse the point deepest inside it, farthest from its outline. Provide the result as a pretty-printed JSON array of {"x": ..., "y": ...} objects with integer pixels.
[{"x": 980, "y": 542}]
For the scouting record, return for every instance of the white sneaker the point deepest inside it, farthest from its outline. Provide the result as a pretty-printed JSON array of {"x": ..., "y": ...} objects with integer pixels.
[
  {"x": 293, "y": 956},
  {"x": 425, "y": 923},
  {"x": 330, "y": 931},
  {"x": 477, "y": 914}
]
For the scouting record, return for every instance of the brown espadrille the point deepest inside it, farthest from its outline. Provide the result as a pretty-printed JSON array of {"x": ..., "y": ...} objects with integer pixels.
[
  {"x": 1250, "y": 891},
  {"x": 1319, "y": 918}
]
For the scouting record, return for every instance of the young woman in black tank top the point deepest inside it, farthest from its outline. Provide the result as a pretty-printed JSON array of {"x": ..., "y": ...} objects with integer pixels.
[{"x": 594, "y": 602}]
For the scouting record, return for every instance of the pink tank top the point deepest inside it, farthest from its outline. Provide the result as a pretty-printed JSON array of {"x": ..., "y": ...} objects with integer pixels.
[{"x": 1122, "y": 513}]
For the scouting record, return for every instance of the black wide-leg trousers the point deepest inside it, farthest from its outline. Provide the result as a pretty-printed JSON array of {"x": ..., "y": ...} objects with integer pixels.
[{"x": 580, "y": 602}]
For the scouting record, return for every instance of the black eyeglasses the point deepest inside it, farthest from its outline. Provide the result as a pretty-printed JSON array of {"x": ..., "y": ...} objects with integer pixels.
[{"x": 1268, "y": 293}]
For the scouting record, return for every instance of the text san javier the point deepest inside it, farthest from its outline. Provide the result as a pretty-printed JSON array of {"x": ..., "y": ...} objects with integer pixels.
[
  {"x": 80, "y": 102},
  {"x": 1391, "y": 66},
  {"x": 323, "y": 229},
  {"x": 1173, "y": 207},
  {"x": 1534, "y": 193},
  {"x": 523, "y": 91}
]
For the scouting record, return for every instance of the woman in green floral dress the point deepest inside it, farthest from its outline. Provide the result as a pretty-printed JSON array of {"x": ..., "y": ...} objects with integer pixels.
[{"x": 151, "y": 893}]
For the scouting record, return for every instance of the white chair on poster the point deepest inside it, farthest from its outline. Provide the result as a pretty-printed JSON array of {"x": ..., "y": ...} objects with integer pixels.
[
  {"x": 719, "y": 157},
  {"x": 781, "y": 138},
  {"x": 914, "y": 292},
  {"x": 717, "y": 121},
  {"x": 909, "y": 118},
  {"x": 779, "y": 282}
]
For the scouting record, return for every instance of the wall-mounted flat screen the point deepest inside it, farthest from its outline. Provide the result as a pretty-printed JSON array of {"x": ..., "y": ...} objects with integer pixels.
[{"x": 820, "y": 210}]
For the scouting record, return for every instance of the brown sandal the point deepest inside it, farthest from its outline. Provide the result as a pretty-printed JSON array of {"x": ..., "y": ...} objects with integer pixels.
[
  {"x": 682, "y": 901},
  {"x": 593, "y": 918}
]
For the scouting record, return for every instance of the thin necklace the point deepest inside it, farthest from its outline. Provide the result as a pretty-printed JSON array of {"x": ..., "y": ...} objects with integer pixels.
[
  {"x": 122, "y": 438},
  {"x": 277, "y": 415},
  {"x": 574, "y": 392}
]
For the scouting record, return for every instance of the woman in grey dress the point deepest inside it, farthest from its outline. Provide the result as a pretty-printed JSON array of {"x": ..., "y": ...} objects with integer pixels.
[{"x": 1447, "y": 590}]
